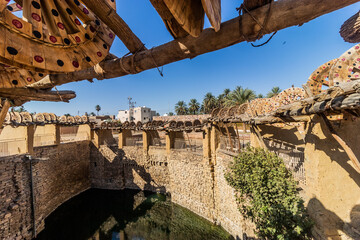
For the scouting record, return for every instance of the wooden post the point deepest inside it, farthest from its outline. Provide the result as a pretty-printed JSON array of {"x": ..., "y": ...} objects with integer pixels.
[
  {"x": 4, "y": 110},
  {"x": 29, "y": 138},
  {"x": 256, "y": 132},
  {"x": 109, "y": 16},
  {"x": 57, "y": 134},
  {"x": 214, "y": 142},
  {"x": 170, "y": 139},
  {"x": 206, "y": 144},
  {"x": 146, "y": 140}
]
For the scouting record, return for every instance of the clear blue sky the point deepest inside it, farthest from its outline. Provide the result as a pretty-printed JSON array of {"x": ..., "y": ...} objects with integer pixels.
[{"x": 288, "y": 59}]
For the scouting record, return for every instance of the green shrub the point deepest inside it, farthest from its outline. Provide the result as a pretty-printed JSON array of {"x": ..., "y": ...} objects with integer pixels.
[{"x": 267, "y": 194}]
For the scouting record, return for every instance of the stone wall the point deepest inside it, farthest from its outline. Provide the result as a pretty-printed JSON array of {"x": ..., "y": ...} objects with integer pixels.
[
  {"x": 192, "y": 183},
  {"x": 59, "y": 173},
  {"x": 227, "y": 213}
]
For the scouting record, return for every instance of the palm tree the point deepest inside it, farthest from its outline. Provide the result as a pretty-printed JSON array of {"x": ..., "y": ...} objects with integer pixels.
[
  {"x": 239, "y": 96},
  {"x": 274, "y": 91},
  {"x": 209, "y": 103},
  {"x": 171, "y": 114},
  {"x": 226, "y": 92},
  {"x": 180, "y": 108},
  {"x": 194, "y": 106},
  {"x": 260, "y": 96},
  {"x": 97, "y": 108}
]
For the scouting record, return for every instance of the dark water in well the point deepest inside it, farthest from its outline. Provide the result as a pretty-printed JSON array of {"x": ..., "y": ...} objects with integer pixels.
[{"x": 126, "y": 215}]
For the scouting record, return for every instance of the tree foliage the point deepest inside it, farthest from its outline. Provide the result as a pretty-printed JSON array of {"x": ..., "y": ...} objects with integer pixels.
[
  {"x": 267, "y": 194},
  {"x": 97, "y": 108},
  {"x": 194, "y": 106},
  {"x": 274, "y": 91},
  {"x": 181, "y": 108},
  {"x": 209, "y": 103},
  {"x": 239, "y": 96}
]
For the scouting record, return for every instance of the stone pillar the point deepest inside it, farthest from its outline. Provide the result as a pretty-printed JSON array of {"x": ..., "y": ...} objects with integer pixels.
[
  {"x": 170, "y": 138},
  {"x": 125, "y": 133},
  {"x": 146, "y": 140},
  {"x": 206, "y": 144}
]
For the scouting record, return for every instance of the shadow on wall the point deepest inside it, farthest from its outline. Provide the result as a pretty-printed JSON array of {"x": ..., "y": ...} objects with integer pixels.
[
  {"x": 113, "y": 168},
  {"x": 135, "y": 173},
  {"x": 329, "y": 224},
  {"x": 328, "y": 145}
]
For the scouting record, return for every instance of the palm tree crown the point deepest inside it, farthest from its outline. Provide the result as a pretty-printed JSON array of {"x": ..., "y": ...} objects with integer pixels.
[
  {"x": 209, "y": 103},
  {"x": 180, "y": 108},
  {"x": 239, "y": 96},
  {"x": 274, "y": 91},
  {"x": 97, "y": 108},
  {"x": 194, "y": 106}
]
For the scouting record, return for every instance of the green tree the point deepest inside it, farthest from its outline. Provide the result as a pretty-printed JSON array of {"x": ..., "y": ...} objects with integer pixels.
[
  {"x": 260, "y": 96},
  {"x": 274, "y": 91},
  {"x": 239, "y": 96},
  {"x": 194, "y": 106},
  {"x": 220, "y": 100},
  {"x": 92, "y": 114},
  {"x": 267, "y": 194},
  {"x": 209, "y": 103},
  {"x": 97, "y": 108},
  {"x": 181, "y": 108},
  {"x": 171, "y": 114},
  {"x": 67, "y": 114}
]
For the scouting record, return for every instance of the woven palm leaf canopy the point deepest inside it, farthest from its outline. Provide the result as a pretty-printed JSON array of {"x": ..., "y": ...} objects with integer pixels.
[{"x": 45, "y": 43}]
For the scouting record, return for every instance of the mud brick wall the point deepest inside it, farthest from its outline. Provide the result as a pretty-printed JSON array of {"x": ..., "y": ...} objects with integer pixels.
[{"x": 62, "y": 173}]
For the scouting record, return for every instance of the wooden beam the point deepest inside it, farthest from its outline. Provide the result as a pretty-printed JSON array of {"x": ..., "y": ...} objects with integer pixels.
[
  {"x": 109, "y": 16},
  {"x": 4, "y": 109},
  {"x": 350, "y": 30},
  {"x": 284, "y": 14},
  {"x": 28, "y": 94}
]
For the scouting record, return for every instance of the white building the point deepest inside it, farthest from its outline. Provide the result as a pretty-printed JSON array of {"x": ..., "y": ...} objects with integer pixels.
[{"x": 143, "y": 114}]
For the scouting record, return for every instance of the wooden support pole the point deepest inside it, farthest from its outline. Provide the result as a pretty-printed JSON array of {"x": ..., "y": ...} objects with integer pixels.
[
  {"x": 21, "y": 95},
  {"x": 257, "y": 133},
  {"x": 206, "y": 143},
  {"x": 29, "y": 138},
  {"x": 284, "y": 14},
  {"x": 170, "y": 140},
  {"x": 4, "y": 110},
  {"x": 214, "y": 142},
  {"x": 109, "y": 16},
  {"x": 229, "y": 137},
  {"x": 57, "y": 134},
  {"x": 342, "y": 143},
  {"x": 146, "y": 140}
]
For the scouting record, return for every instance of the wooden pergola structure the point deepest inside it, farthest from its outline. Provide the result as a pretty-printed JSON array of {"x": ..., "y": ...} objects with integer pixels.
[{"x": 61, "y": 41}]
